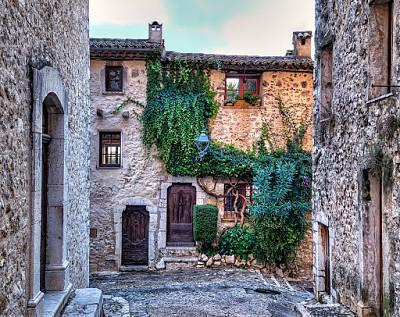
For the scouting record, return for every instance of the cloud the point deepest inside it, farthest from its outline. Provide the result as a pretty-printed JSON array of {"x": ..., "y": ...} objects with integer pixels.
[
  {"x": 127, "y": 12},
  {"x": 268, "y": 29}
]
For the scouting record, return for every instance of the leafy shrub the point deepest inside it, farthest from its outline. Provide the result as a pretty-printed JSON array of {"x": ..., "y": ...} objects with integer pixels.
[
  {"x": 205, "y": 219},
  {"x": 237, "y": 241},
  {"x": 279, "y": 210}
]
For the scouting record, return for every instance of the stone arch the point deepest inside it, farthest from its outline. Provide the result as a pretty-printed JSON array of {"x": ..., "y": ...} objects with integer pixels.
[
  {"x": 49, "y": 96},
  {"x": 135, "y": 201}
]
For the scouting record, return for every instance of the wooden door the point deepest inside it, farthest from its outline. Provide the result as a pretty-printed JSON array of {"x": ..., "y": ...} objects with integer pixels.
[
  {"x": 135, "y": 236},
  {"x": 181, "y": 198},
  {"x": 327, "y": 261}
]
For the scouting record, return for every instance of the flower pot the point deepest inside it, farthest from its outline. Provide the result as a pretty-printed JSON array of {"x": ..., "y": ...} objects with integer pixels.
[{"x": 241, "y": 103}]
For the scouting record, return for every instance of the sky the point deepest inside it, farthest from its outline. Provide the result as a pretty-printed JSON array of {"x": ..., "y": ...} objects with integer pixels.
[{"x": 234, "y": 27}]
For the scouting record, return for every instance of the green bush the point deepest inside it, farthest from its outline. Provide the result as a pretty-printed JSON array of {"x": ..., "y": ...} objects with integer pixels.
[
  {"x": 205, "y": 219},
  {"x": 279, "y": 210},
  {"x": 237, "y": 241}
]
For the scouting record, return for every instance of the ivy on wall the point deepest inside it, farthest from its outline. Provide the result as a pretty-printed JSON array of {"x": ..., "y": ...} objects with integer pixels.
[{"x": 180, "y": 104}]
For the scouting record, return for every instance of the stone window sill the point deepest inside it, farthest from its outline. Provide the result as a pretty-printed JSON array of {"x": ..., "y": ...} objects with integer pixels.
[
  {"x": 108, "y": 167},
  {"x": 380, "y": 98},
  {"x": 117, "y": 93}
]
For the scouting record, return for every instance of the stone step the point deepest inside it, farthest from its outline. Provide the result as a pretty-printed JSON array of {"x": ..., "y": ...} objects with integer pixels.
[
  {"x": 88, "y": 302},
  {"x": 181, "y": 252},
  {"x": 181, "y": 259}
]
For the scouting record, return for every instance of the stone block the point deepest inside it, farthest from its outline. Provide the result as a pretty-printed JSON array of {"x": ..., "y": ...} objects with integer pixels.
[
  {"x": 87, "y": 302},
  {"x": 230, "y": 259},
  {"x": 217, "y": 257}
]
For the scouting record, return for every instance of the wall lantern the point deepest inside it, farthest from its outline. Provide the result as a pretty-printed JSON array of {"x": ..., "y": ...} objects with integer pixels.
[{"x": 202, "y": 144}]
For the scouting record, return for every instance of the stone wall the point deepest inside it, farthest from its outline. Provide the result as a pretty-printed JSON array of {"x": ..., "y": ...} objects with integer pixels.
[
  {"x": 142, "y": 179},
  {"x": 140, "y": 176},
  {"x": 342, "y": 187},
  {"x": 33, "y": 35},
  {"x": 241, "y": 125}
]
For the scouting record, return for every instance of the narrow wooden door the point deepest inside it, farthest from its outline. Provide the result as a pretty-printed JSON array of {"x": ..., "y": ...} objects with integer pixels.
[
  {"x": 135, "y": 236},
  {"x": 180, "y": 201},
  {"x": 327, "y": 260}
]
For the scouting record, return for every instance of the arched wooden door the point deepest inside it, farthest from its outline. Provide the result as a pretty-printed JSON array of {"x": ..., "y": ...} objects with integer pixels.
[
  {"x": 181, "y": 198},
  {"x": 135, "y": 236}
]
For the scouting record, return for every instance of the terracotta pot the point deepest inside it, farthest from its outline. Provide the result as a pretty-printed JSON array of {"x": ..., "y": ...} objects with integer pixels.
[{"x": 241, "y": 103}]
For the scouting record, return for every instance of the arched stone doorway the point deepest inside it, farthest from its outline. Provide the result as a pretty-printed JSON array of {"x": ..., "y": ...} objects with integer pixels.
[{"x": 48, "y": 267}]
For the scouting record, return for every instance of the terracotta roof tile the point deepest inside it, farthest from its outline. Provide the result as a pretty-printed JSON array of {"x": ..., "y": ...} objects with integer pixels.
[
  {"x": 255, "y": 62},
  {"x": 96, "y": 43},
  {"x": 131, "y": 49}
]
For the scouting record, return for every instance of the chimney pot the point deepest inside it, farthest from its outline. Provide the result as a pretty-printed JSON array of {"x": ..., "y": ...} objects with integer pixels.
[
  {"x": 155, "y": 32},
  {"x": 302, "y": 44}
]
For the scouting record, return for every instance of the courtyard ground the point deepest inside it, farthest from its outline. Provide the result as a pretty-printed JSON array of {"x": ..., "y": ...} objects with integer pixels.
[{"x": 207, "y": 292}]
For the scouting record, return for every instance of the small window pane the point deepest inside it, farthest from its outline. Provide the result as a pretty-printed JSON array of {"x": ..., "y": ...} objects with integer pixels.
[
  {"x": 229, "y": 200},
  {"x": 110, "y": 149},
  {"x": 232, "y": 88},
  {"x": 114, "y": 78},
  {"x": 232, "y": 83},
  {"x": 250, "y": 84}
]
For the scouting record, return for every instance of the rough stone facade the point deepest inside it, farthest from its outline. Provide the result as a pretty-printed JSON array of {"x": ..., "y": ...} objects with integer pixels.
[
  {"x": 241, "y": 125},
  {"x": 355, "y": 204},
  {"x": 141, "y": 180},
  {"x": 34, "y": 45}
]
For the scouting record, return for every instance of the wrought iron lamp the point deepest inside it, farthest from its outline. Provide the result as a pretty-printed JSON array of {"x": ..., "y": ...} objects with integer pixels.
[{"x": 202, "y": 144}]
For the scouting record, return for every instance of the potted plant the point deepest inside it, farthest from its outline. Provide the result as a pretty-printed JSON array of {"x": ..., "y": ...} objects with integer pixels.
[
  {"x": 252, "y": 99},
  {"x": 230, "y": 100}
]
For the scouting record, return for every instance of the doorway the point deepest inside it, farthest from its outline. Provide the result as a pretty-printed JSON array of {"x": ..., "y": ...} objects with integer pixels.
[
  {"x": 372, "y": 242},
  {"x": 135, "y": 236},
  {"x": 180, "y": 201}
]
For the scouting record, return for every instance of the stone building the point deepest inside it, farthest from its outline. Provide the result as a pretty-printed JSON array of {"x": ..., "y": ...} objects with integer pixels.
[
  {"x": 44, "y": 162},
  {"x": 356, "y": 155},
  {"x": 130, "y": 188}
]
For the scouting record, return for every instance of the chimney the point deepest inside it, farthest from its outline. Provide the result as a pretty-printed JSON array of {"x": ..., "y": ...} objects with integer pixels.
[
  {"x": 155, "y": 32},
  {"x": 302, "y": 45}
]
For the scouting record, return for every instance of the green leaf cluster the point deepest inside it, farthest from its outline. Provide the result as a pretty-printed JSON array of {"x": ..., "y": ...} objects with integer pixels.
[
  {"x": 279, "y": 210},
  {"x": 180, "y": 102},
  {"x": 237, "y": 241},
  {"x": 205, "y": 219}
]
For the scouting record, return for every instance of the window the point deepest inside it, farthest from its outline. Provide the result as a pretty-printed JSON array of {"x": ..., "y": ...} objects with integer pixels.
[
  {"x": 245, "y": 190},
  {"x": 110, "y": 149},
  {"x": 381, "y": 48},
  {"x": 114, "y": 80},
  {"x": 237, "y": 86},
  {"x": 326, "y": 84}
]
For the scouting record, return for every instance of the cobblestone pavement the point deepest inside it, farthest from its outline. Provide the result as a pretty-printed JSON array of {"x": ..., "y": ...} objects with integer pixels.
[{"x": 205, "y": 292}]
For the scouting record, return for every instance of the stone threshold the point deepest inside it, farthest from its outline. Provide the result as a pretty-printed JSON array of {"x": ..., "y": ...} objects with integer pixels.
[
  {"x": 181, "y": 259},
  {"x": 183, "y": 248},
  {"x": 133, "y": 268},
  {"x": 87, "y": 302},
  {"x": 54, "y": 302}
]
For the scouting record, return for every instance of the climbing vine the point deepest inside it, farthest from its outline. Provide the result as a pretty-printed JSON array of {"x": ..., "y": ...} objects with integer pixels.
[{"x": 180, "y": 104}]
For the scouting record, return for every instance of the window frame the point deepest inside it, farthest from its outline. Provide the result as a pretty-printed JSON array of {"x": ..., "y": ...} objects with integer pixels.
[
  {"x": 381, "y": 37},
  {"x": 241, "y": 84},
  {"x": 243, "y": 187},
  {"x": 101, "y": 154},
  {"x": 107, "y": 79}
]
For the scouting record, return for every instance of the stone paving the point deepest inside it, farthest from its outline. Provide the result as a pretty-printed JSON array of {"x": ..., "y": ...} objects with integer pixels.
[
  {"x": 194, "y": 292},
  {"x": 209, "y": 293}
]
